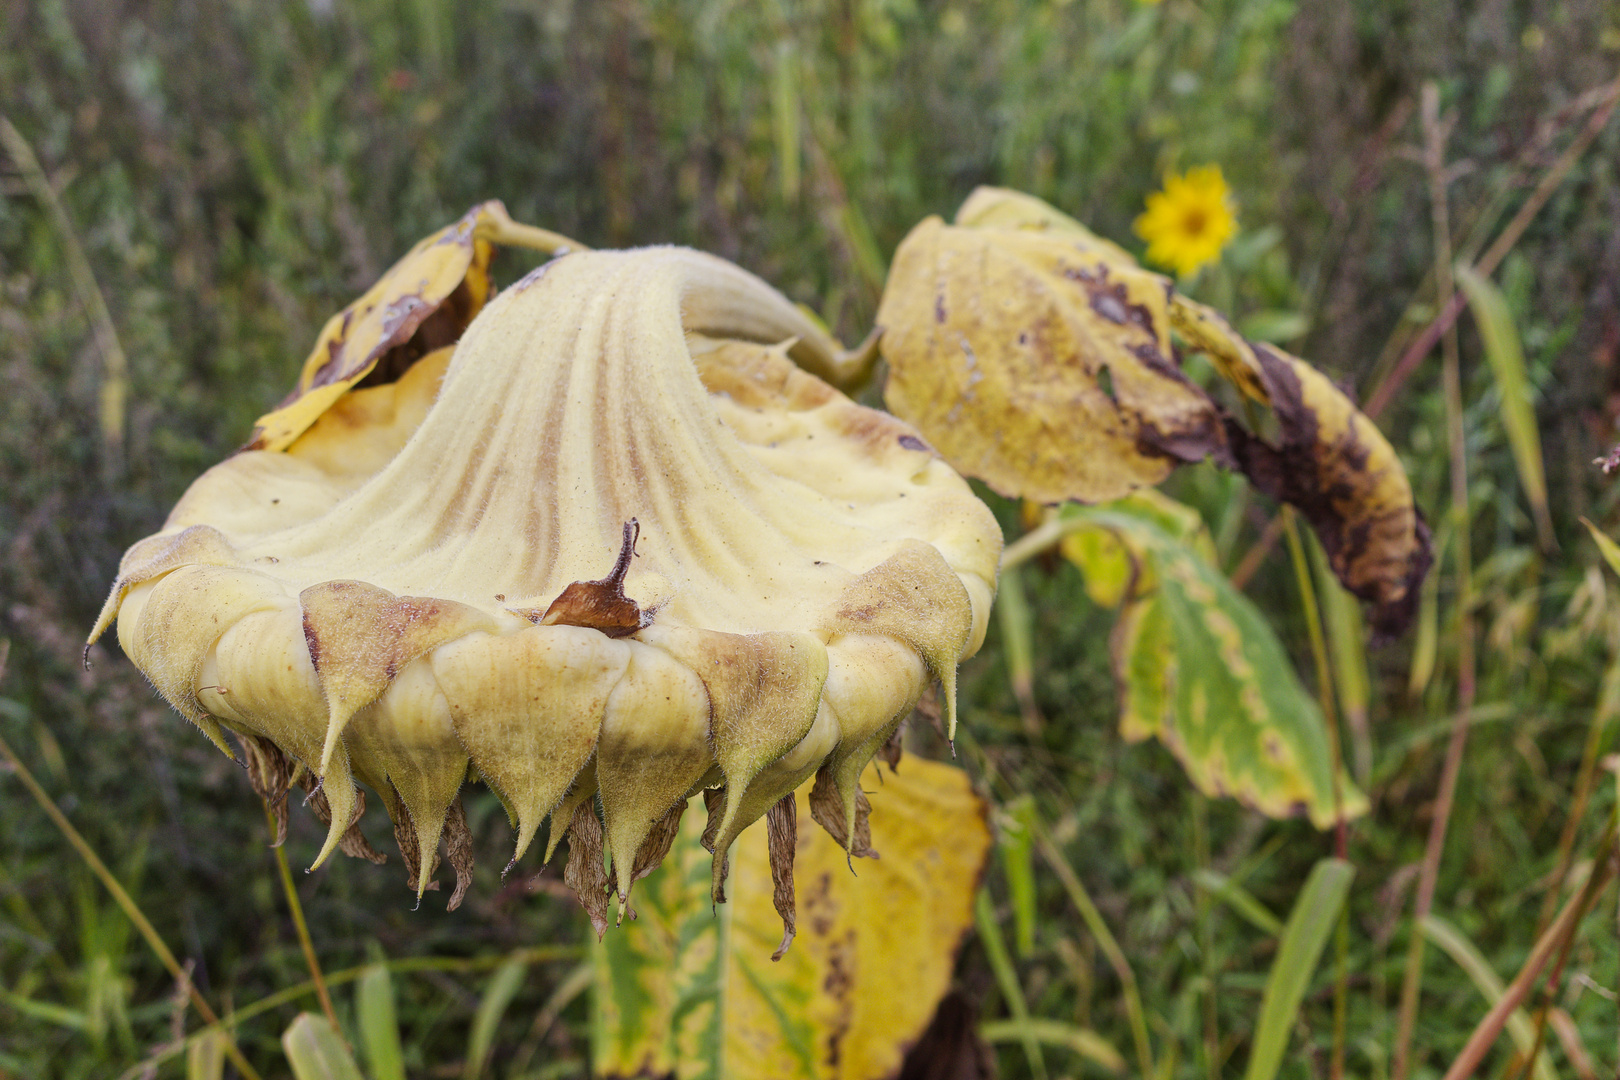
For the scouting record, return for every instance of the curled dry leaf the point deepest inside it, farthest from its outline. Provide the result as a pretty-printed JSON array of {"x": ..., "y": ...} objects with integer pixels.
[
  {"x": 1037, "y": 357},
  {"x": 403, "y": 585}
]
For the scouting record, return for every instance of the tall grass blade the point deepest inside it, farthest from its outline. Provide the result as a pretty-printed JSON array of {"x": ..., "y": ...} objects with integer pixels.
[
  {"x": 1315, "y": 914},
  {"x": 1083, "y": 1041},
  {"x": 503, "y": 987},
  {"x": 995, "y": 950},
  {"x": 379, "y": 1026},
  {"x": 1017, "y": 845},
  {"x": 1239, "y": 899},
  {"x": 316, "y": 1051},
  {"x": 1505, "y": 354},
  {"x": 1489, "y": 984},
  {"x": 1017, "y": 638}
]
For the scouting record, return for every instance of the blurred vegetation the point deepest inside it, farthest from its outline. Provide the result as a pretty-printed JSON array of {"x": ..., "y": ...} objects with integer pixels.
[{"x": 234, "y": 172}]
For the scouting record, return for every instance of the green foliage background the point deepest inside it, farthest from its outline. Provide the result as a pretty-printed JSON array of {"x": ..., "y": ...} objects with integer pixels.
[{"x": 238, "y": 170}]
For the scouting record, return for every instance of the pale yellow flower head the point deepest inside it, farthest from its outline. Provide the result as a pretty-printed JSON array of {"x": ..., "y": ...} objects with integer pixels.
[{"x": 1188, "y": 223}]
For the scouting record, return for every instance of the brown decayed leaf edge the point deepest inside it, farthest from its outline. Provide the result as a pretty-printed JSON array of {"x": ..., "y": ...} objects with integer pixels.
[
  {"x": 782, "y": 837},
  {"x": 584, "y": 872},
  {"x": 1337, "y": 468}
]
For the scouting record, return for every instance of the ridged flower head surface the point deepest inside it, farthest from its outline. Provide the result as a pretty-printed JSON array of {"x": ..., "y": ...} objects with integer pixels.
[{"x": 612, "y": 542}]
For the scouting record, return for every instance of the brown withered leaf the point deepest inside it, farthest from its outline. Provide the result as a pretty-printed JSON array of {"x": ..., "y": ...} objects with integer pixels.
[
  {"x": 458, "y": 848},
  {"x": 653, "y": 849},
  {"x": 892, "y": 750},
  {"x": 599, "y": 605},
  {"x": 410, "y": 851},
  {"x": 584, "y": 872},
  {"x": 353, "y": 842},
  {"x": 827, "y": 809},
  {"x": 423, "y": 302},
  {"x": 782, "y": 840},
  {"x": 1039, "y": 364},
  {"x": 1338, "y": 469},
  {"x": 270, "y": 772}
]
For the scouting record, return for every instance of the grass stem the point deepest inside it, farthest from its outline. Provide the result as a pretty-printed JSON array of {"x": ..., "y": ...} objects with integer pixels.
[
  {"x": 302, "y": 927},
  {"x": 120, "y": 896},
  {"x": 1435, "y": 131}
]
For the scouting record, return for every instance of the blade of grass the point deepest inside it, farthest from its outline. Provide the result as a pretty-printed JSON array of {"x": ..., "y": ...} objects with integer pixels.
[
  {"x": 1315, "y": 914},
  {"x": 498, "y": 994},
  {"x": 1083, "y": 1041},
  {"x": 1017, "y": 638},
  {"x": 1554, "y": 941},
  {"x": 574, "y": 984},
  {"x": 535, "y": 955},
  {"x": 1239, "y": 899},
  {"x": 1452, "y": 942},
  {"x": 995, "y": 950},
  {"x": 316, "y": 1051},
  {"x": 1451, "y": 305},
  {"x": 119, "y": 895},
  {"x": 1451, "y": 378},
  {"x": 113, "y": 394},
  {"x": 379, "y": 1024},
  {"x": 299, "y": 925},
  {"x": 1505, "y": 355},
  {"x": 1106, "y": 942},
  {"x": 205, "y": 1058},
  {"x": 1017, "y": 844}
]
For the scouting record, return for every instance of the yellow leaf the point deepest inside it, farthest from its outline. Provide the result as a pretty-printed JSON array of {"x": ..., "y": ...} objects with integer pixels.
[
  {"x": 1038, "y": 363},
  {"x": 688, "y": 990},
  {"x": 422, "y": 303}
]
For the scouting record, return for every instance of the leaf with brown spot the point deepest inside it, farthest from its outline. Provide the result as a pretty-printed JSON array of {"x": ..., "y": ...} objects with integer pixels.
[
  {"x": 686, "y": 990},
  {"x": 1039, "y": 364},
  {"x": 423, "y": 302},
  {"x": 584, "y": 872},
  {"x": 827, "y": 809},
  {"x": 1338, "y": 469}
]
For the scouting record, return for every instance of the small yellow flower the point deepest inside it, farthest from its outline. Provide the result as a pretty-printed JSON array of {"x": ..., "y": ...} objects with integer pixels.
[{"x": 1188, "y": 223}]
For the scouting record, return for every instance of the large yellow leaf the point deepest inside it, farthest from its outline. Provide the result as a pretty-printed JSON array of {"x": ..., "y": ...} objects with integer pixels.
[
  {"x": 1038, "y": 363},
  {"x": 688, "y": 990}
]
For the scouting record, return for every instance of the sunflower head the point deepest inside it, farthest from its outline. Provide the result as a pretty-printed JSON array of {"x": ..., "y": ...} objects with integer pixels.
[{"x": 1188, "y": 223}]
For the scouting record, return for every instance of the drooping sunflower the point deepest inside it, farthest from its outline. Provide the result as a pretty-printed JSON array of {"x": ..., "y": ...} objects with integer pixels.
[{"x": 1188, "y": 223}]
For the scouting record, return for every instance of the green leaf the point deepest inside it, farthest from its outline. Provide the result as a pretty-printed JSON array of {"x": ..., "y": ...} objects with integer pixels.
[
  {"x": 503, "y": 987},
  {"x": 379, "y": 1027},
  {"x": 1200, "y": 668},
  {"x": 316, "y": 1051},
  {"x": 1309, "y": 924},
  {"x": 1505, "y": 355}
]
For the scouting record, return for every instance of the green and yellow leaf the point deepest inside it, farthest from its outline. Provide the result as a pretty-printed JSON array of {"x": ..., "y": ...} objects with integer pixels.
[
  {"x": 688, "y": 990},
  {"x": 1200, "y": 669}
]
